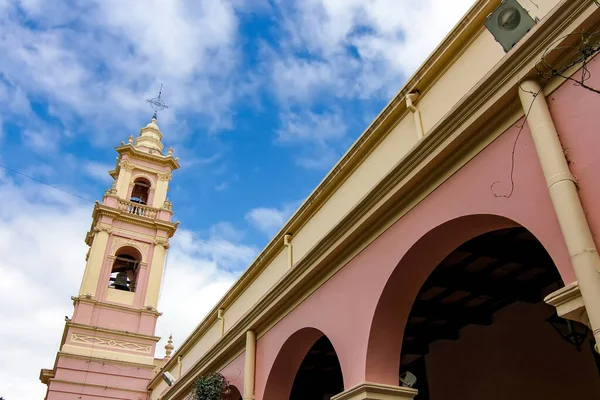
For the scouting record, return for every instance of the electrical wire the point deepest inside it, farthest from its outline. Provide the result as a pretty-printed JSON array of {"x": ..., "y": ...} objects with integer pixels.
[
  {"x": 44, "y": 183},
  {"x": 583, "y": 51},
  {"x": 514, "y": 150}
]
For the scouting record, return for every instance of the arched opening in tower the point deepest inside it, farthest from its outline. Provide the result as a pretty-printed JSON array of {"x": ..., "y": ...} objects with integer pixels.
[
  {"x": 141, "y": 191},
  {"x": 124, "y": 272}
]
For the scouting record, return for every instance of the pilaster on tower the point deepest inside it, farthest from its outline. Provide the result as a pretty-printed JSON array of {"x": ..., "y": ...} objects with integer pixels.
[{"x": 115, "y": 314}]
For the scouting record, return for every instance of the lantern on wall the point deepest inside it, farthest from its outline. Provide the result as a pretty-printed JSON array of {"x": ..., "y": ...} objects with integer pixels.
[{"x": 571, "y": 331}]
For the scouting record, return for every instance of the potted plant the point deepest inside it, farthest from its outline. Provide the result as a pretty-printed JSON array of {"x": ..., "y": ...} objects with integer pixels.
[{"x": 211, "y": 387}]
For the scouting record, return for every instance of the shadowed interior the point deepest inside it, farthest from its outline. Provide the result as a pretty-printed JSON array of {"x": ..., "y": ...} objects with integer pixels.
[
  {"x": 504, "y": 272},
  {"x": 319, "y": 376}
]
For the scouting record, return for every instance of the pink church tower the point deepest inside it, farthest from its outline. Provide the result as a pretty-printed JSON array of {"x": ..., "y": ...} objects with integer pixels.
[{"x": 107, "y": 348}]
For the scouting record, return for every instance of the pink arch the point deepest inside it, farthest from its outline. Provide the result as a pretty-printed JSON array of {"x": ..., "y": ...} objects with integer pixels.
[
  {"x": 130, "y": 250},
  {"x": 288, "y": 360},
  {"x": 403, "y": 285}
]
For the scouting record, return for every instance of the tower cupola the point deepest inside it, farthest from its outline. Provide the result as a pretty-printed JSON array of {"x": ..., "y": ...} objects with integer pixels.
[{"x": 150, "y": 138}]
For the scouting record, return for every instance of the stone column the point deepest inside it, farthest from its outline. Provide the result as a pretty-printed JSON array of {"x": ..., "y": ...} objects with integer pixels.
[
  {"x": 124, "y": 178},
  {"x": 93, "y": 267},
  {"x": 376, "y": 391},
  {"x": 565, "y": 199},
  {"x": 249, "y": 365},
  {"x": 162, "y": 186},
  {"x": 156, "y": 272}
]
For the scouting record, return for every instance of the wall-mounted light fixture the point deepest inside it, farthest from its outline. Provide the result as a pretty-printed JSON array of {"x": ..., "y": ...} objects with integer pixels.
[{"x": 573, "y": 332}]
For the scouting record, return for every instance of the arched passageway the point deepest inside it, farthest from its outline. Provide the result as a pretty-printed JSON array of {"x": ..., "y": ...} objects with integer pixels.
[
  {"x": 306, "y": 368},
  {"x": 319, "y": 377},
  {"x": 479, "y": 328}
]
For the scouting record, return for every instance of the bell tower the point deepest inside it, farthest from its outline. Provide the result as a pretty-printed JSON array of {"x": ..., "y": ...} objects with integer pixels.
[{"x": 107, "y": 348}]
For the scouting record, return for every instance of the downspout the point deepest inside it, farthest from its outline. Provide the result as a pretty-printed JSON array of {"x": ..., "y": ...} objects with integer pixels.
[
  {"x": 287, "y": 242},
  {"x": 249, "y": 365},
  {"x": 565, "y": 199},
  {"x": 411, "y": 98},
  {"x": 221, "y": 318}
]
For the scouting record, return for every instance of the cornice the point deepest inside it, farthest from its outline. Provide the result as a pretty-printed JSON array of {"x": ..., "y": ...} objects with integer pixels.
[
  {"x": 403, "y": 186},
  {"x": 564, "y": 295},
  {"x": 103, "y": 360},
  {"x": 370, "y": 389},
  {"x": 101, "y": 387},
  {"x": 93, "y": 301},
  {"x": 156, "y": 158},
  {"x": 113, "y": 331}
]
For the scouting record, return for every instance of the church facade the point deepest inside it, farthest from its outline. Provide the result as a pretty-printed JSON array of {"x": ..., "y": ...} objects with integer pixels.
[{"x": 452, "y": 252}]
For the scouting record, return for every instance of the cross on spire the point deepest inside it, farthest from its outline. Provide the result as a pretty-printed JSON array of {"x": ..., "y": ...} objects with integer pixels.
[{"x": 157, "y": 103}]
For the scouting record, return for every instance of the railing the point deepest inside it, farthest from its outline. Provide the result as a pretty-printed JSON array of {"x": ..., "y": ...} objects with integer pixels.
[{"x": 137, "y": 209}]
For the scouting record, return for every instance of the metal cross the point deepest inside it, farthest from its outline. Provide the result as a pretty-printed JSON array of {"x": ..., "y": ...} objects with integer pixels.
[{"x": 157, "y": 103}]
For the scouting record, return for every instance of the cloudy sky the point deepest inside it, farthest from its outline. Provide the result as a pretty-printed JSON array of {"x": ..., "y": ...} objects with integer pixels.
[{"x": 264, "y": 96}]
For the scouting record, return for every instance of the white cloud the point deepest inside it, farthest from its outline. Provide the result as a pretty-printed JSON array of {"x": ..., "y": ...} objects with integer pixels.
[
  {"x": 40, "y": 271},
  {"x": 316, "y": 133},
  {"x": 311, "y": 127},
  {"x": 204, "y": 271},
  {"x": 357, "y": 48},
  {"x": 221, "y": 186},
  {"x": 98, "y": 171},
  {"x": 103, "y": 58},
  {"x": 270, "y": 220},
  {"x": 330, "y": 51},
  {"x": 41, "y": 141}
]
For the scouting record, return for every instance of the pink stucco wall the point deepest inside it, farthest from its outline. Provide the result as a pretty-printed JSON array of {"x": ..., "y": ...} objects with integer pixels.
[
  {"x": 97, "y": 380},
  {"x": 234, "y": 373},
  {"x": 575, "y": 114},
  {"x": 363, "y": 308},
  {"x": 106, "y": 317}
]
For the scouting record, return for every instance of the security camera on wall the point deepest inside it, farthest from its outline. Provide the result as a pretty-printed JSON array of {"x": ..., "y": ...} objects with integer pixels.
[
  {"x": 168, "y": 378},
  {"x": 509, "y": 23}
]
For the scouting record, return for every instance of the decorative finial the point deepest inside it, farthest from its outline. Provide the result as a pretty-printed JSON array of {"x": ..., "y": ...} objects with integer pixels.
[
  {"x": 170, "y": 151},
  {"x": 169, "y": 346},
  {"x": 112, "y": 189},
  {"x": 130, "y": 140},
  {"x": 157, "y": 103}
]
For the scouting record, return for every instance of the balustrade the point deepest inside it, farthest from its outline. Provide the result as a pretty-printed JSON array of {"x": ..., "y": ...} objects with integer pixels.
[{"x": 142, "y": 210}]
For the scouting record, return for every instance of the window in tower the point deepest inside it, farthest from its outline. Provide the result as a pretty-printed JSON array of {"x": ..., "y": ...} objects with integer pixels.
[
  {"x": 140, "y": 192},
  {"x": 124, "y": 272}
]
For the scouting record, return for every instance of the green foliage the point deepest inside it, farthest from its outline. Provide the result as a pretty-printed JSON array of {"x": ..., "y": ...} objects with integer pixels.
[{"x": 211, "y": 387}]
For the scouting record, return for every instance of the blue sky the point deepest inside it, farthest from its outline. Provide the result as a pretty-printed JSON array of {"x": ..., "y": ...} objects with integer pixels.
[{"x": 264, "y": 96}]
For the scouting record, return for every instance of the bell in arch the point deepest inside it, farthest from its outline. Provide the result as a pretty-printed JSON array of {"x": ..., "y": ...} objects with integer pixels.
[{"x": 121, "y": 281}]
